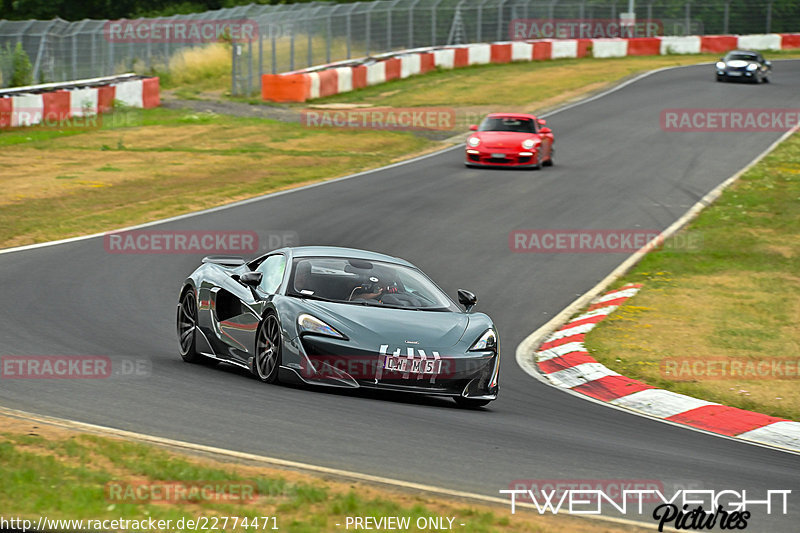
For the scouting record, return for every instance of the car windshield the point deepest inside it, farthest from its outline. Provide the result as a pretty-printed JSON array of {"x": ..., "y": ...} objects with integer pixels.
[
  {"x": 522, "y": 125},
  {"x": 741, "y": 56},
  {"x": 361, "y": 282}
]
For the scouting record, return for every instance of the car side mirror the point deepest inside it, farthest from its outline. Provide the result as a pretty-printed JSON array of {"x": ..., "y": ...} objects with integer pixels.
[
  {"x": 467, "y": 299},
  {"x": 545, "y": 130},
  {"x": 542, "y": 122},
  {"x": 250, "y": 279},
  {"x": 768, "y": 63},
  {"x": 474, "y": 127}
]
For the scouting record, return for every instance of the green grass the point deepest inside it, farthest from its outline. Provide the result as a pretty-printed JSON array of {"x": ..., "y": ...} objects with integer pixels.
[
  {"x": 65, "y": 476},
  {"x": 737, "y": 297}
]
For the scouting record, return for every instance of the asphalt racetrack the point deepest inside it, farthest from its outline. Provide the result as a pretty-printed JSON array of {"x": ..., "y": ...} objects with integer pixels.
[{"x": 615, "y": 169}]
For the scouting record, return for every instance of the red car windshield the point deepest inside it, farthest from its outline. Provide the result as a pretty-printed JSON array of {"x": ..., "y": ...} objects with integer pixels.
[{"x": 520, "y": 125}]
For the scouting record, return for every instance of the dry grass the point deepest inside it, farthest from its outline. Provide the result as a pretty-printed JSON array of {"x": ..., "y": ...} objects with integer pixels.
[
  {"x": 202, "y": 67},
  {"x": 73, "y": 468},
  {"x": 174, "y": 162}
]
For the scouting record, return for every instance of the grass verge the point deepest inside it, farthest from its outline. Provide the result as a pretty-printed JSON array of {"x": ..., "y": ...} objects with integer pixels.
[
  {"x": 65, "y": 475},
  {"x": 141, "y": 166},
  {"x": 522, "y": 84},
  {"x": 737, "y": 298},
  {"x": 144, "y": 165}
]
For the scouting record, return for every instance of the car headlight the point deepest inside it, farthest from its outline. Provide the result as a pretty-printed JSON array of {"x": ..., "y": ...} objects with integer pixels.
[
  {"x": 473, "y": 141},
  {"x": 311, "y": 324},
  {"x": 752, "y": 66},
  {"x": 528, "y": 143},
  {"x": 721, "y": 65},
  {"x": 486, "y": 342}
]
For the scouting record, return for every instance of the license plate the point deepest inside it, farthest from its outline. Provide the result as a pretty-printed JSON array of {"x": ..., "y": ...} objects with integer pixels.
[
  {"x": 412, "y": 366},
  {"x": 734, "y": 73},
  {"x": 498, "y": 156}
]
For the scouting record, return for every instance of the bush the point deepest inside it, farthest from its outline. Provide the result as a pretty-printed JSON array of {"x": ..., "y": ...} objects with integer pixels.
[{"x": 15, "y": 66}]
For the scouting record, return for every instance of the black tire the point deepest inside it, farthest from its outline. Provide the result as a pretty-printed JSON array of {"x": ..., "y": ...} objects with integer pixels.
[
  {"x": 550, "y": 162},
  {"x": 187, "y": 327},
  {"x": 720, "y": 78},
  {"x": 267, "y": 361},
  {"x": 469, "y": 403},
  {"x": 765, "y": 79}
]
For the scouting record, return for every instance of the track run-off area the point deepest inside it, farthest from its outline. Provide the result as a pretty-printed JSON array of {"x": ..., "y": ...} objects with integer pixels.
[{"x": 616, "y": 168}]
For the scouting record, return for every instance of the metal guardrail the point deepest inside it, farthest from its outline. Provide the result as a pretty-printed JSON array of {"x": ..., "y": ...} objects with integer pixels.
[{"x": 46, "y": 87}]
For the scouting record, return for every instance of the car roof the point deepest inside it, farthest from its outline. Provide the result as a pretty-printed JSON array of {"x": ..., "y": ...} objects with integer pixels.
[
  {"x": 352, "y": 253},
  {"x": 743, "y": 52},
  {"x": 512, "y": 115}
]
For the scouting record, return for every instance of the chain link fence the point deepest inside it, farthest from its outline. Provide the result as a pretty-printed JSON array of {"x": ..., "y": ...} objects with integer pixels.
[{"x": 294, "y": 36}]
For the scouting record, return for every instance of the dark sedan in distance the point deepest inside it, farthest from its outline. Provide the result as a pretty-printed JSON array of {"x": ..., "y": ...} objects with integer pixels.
[
  {"x": 743, "y": 65},
  {"x": 339, "y": 317}
]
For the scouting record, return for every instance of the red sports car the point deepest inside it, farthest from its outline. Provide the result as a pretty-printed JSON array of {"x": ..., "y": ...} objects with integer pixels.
[{"x": 510, "y": 140}]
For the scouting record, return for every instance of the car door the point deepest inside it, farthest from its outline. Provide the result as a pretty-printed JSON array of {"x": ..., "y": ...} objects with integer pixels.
[{"x": 238, "y": 326}]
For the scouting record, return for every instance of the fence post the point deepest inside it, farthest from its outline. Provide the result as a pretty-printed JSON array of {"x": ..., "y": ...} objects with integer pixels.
[
  {"x": 249, "y": 67},
  {"x": 433, "y": 21},
  {"x": 726, "y": 18},
  {"x": 93, "y": 54},
  {"x": 411, "y": 23},
  {"x": 74, "y": 56},
  {"x": 500, "y": 19},
  {"x": 551, "y": 9},
  {"x": 233, "y": 70},
  {"x": 347, "y": 29},
  {"x": 328, "y": 37},
  {"x": 273, "y": 43},
  {"x": 688, "y": 21},
  {"x": 367, "y": 29},
  {"x": 309, "y": 52},
  {"x": 769, "y": 18},
  {"x": 260, "y": 58},
  {"x": 480, "y": 20},
  {"x": 291, "y": 47}
]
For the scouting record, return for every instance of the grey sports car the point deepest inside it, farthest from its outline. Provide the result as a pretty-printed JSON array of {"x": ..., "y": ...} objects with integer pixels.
[
  {"x": 743, "y": 65},
  {"x": 339, "y": 317}
]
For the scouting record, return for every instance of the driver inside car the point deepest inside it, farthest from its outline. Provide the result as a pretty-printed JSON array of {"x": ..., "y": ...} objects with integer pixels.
[{"x": 369, "y": 289}]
